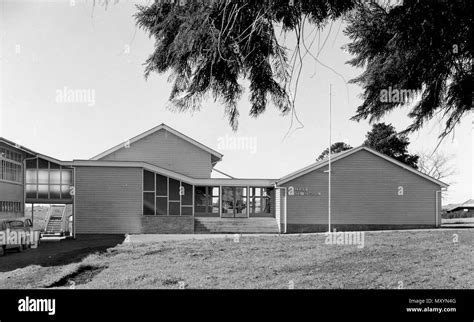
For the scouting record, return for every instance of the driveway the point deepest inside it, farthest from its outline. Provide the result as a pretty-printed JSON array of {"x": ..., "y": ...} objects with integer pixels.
[{"x": 53, "y": 253}]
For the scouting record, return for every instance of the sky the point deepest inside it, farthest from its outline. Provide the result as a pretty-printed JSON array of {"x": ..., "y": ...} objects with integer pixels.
[{"x": 51, "y": 47}]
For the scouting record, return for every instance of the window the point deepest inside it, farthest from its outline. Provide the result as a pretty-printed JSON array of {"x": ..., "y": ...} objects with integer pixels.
[
  {"x": 10, "y": 206},
  {"x": 215, "y": 200},
  {"x": 148, "y": 181},
  {"x": 148, "y": 193},
  {"x": 161, "y": 185},
  {"x": 10, "y": 171},
  {"x": 201, "y": 200},
  {"x": 174, "y": 189},
  {"x": 164, "y": 196},
  {"x": 55, "y": 191},
  {"x": 10, "y": 155},
  {"x": 186, "y": 199},
  {"x": 206, "y": 200},
  {"x": 47, "y": 180},
  {"x": 260, "y": 202},
  {"x": 43, "y": 190},
  {"x": 148, "y": 203},
  {"x": 16, "y": 224},
  {"x": 161, "y": 206}
]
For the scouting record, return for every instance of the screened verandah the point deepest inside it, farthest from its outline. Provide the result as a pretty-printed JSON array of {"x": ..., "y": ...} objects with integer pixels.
[
  {"x": 232, "y": 201},
  {"x": 49, "y": 185},
  {"x": 166, "y": 196}
]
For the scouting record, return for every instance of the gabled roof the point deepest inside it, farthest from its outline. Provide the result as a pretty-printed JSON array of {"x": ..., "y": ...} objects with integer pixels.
[
  {"x": 337, "y": 156},
  {"x": 217, "y": 156},
  {"x": 467, "y": 204}
]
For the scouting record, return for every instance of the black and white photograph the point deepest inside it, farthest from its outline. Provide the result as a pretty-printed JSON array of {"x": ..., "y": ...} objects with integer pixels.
[{"x": 236, "y": 160}]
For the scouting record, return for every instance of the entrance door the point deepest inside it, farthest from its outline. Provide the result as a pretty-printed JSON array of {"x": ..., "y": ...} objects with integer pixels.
[{"x": 234, "y": 202}]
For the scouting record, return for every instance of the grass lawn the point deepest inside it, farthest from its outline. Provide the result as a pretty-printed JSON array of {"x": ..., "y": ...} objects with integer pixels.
[{"x": 388, "y": 260}]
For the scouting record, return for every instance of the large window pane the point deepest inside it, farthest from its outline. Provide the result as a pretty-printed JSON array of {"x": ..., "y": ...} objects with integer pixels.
[
  {"x": 187, "y": 197},
  {"x": 66, "y": 192},
  {"x": 174, "y": 189},
  {"x": 43, "y": 191},
  {"x": 148, "y": 181},
  {"x": 55, "y": 191},
  {"x": 66, "y": 176},
  {"x": 174, "y": 208},
  {"x": 240, "y": 200},
  {"x": 32, "y": 163},
  {"x": 215, "y": 202},
  {"x": 267, "y": 192},
  {"x": 161, "y": 185},
  {"x": 266, "y": 205},
  {"x": 31, "y": 176},
  {"x": 161, "y": 206},
  {"x": 54, "y": 166},
  {"x": 43, "y": 164},
  {"x": 43, "y": 177},
  {"x": 55, "y": 176},
  {"x": 148, "y": 203},
  {"x": 30, "y": 191},
  {"x": 228, "y": 204},
  {"x": 201, "y": 200}
]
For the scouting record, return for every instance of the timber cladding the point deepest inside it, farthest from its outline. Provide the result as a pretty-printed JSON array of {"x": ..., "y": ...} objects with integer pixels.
[
  {"x": 166, "y": 150},
  {"x": 108, "y": 200},
  {"x": 366, "y": 190}
]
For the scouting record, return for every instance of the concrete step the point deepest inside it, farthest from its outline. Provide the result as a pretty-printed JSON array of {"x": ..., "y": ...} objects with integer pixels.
[{"x": 235, "y": 225}]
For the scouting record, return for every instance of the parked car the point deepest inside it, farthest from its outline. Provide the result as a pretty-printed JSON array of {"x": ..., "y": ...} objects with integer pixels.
[{"x": 26, "y": 235}]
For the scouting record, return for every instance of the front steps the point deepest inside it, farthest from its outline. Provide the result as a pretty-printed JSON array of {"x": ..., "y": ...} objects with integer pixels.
[{"x": 207, "y": 225}]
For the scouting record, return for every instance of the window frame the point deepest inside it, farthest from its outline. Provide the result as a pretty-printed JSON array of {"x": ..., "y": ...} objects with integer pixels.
[{"x": 176, "y": 202}]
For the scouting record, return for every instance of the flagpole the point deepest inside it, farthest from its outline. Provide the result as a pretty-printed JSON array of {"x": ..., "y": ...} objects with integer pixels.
[{"x": 329, "y": 186}]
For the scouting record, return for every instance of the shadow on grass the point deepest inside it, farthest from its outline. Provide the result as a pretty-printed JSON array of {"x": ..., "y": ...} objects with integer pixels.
[{"x": 60, "y": 252}]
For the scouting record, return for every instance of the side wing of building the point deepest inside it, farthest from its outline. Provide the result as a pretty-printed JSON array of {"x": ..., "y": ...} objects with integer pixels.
[{"x": 368, "y": 192}]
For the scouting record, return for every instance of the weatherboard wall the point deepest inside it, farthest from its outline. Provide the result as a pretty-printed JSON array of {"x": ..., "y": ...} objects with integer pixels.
[
  {"x": 168, "y": 151},
  {"x": 108, "y": 200},
  {"x": 365, "y": 192}
]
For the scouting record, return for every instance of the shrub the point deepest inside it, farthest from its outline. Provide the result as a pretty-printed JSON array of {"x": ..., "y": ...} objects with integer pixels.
[{"x": 457, "y": 214}]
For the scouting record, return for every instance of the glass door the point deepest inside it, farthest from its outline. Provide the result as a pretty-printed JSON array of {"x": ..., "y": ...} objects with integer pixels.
[
  {"x": 228, "y": 203},
  {"x": 234, "y": 202},
  {"x": 240, "y": 210}
]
